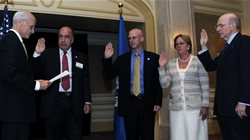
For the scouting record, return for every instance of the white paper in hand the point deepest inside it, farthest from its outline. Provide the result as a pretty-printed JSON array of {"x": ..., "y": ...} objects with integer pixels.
[{"x": 65, "y": 73}]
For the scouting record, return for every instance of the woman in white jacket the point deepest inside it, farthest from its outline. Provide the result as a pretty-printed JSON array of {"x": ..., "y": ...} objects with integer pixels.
[{"x": 189, "y": 95}]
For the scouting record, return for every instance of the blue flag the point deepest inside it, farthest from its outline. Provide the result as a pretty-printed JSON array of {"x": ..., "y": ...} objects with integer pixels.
[
  {"x": 119, "y": 128},
  {"x": 5, "y": 24}
]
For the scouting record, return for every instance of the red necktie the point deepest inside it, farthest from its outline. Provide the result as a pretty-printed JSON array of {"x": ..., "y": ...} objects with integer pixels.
[{"x": 65, "y": 79}]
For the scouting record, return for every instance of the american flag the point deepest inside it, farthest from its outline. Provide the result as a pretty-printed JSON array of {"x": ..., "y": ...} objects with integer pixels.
[{"x": 5, "y": 24}]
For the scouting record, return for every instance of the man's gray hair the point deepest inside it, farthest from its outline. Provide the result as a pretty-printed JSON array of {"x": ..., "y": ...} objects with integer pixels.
[
  {"x": 20, "y": 14},
  {"x": 237, "y": 21}
]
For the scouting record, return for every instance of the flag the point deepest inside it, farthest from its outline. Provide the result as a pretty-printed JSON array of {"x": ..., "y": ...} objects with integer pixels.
[
  {"x": 119, "y": 128},
  {"x": 5, "y": 24}
]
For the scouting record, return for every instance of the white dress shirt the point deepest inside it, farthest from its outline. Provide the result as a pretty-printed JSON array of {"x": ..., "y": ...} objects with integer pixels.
[{"x": 69, "y": 57}]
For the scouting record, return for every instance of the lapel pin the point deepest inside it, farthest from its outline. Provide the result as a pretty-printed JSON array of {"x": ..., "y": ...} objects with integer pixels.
[{"x": 148, "y": 59}]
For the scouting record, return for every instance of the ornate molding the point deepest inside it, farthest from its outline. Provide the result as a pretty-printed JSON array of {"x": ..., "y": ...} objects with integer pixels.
[
  {"x": 133, "y": 13},
  {"x": 149, "y": 3},
  {"x": 47, "y": 5},
  {"x": 12, "y": 2},
  {"x": 218, "y": 7}
]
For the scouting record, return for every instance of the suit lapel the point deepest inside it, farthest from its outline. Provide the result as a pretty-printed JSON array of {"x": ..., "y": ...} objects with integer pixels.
[
  {"x": 21, "y": 47},
  {"x": 56, "y": 59},
  {"x": 146, "y": 63},
  {"x": 73, "y": 63},
  {"x": 74, "y": 58},
  {"x": 126, "y": 65},
  {"x": 231, "y": 45}
]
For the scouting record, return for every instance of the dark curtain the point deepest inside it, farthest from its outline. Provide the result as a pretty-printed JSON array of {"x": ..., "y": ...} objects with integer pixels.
[{"x": 37, "y": 130}]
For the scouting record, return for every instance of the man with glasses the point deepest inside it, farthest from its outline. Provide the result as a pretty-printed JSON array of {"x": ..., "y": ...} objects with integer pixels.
[
  {"x": 232, "y": 96},
  {"x": 140, "y": 93},
  {"x": 64, "y": 103},
  {"x": 17, "y": 99}
]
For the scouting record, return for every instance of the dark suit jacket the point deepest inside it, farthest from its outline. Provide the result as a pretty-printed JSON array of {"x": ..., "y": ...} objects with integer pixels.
[
  {"x": 17, "y": 99},
  {"x": 152, "y": 88},
  {"x": 49, "y": 65},
  {"x": 233, "y": 73}
]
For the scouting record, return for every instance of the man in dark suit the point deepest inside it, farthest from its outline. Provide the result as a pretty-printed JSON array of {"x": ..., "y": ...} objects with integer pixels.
[
  {"x": 138, "y": 110},
  {"x": 17, "y": 99},
  {"x": 67, "y": 99},
  {"x": 232, "y": 96}
]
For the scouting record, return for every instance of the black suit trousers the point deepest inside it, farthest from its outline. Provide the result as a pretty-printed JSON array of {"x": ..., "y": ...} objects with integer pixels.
[
  {"x": 15, "y": 131},
  {"x": 63, "y": 117},
  {"x": 234, "y": 128},
  {"x": 139, "y": 122}
]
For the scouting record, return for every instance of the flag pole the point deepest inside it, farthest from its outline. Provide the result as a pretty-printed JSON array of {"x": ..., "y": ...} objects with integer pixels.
[
  {"x": 6, "y": 3},
  {"x": 120, "y": 5},
  {"x": 119, "y": 127}
]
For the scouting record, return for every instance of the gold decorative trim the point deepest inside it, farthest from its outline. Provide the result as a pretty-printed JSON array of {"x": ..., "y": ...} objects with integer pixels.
[
  {"x": 133, "y": 13},
  {"x": 12, "y": 2},
  {"x": 47, "y": 5}
]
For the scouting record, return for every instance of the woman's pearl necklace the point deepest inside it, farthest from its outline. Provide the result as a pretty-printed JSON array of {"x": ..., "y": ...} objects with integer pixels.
[{"x": 184, "y": 60}]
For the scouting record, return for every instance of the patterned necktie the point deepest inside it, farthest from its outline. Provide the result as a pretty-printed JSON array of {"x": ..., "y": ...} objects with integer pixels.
[
  {"x": 65, "y": 79},
  {"x": 25, "y": 49},
  {"x": 226, "y": 45},
  {"x": 136, "y": 79}
]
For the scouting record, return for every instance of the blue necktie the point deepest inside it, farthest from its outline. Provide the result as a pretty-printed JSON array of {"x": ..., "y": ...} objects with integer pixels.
[{"x": 226, "y": 45}]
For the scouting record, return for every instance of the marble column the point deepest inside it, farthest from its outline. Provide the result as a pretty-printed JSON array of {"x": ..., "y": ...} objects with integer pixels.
[
  {"x": 172, "y": 18},
  {"x": 246, "y": 16}
]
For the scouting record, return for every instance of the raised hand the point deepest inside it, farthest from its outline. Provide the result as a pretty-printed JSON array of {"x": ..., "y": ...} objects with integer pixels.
[
  {"x": 40, "y": 46},
  {"x": 163, "y": 60},
  {"x": 109, "y": 50},
  {"x": 204, "y": 39}
]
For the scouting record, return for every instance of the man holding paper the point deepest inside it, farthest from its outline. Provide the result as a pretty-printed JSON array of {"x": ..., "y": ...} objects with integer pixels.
[
  {"x": 66, "y": 99},
  {"x": 17, "y": 85}
]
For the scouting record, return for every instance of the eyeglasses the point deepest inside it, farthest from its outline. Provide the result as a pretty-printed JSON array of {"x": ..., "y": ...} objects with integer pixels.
[
  {"x": 220, "y": 25},
  {"x": 32, "y": 27},
  {"x": 181, "y": 43},
  {"x": 67, "y": 37},
  {"x": 133, "y": 37}
]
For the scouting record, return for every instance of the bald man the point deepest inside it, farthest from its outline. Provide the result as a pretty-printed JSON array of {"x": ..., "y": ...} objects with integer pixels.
[
  {"x": 17, "y": 99},
  {"x": 138, "y": 110},
  {"x": 232, "y": 96}
]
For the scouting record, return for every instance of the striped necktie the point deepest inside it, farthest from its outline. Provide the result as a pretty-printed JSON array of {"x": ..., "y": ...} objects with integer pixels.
[{"x": 25, "y": 49}]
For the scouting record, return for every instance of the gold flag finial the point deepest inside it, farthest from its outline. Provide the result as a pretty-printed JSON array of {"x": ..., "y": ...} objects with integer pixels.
[
  {"x": 6, "y": 3},
  {"x": 120, "y": 5}
]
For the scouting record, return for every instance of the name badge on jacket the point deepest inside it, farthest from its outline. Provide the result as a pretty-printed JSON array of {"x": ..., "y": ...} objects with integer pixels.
[{"x": 79, "y": 65}]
